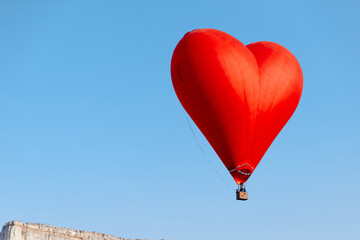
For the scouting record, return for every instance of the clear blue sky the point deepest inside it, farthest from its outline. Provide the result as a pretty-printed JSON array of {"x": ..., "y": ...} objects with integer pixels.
[{"x": 93, "y": 137}]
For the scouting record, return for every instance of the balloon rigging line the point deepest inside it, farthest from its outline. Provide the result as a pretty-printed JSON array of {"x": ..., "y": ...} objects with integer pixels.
[
  {"x": 236, "y": 169},
  {"x": 205, "y": 156}
]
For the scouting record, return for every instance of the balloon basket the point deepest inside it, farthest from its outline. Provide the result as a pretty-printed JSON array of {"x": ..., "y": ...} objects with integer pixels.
[
  {"x": 241, "y": 193},
  {"x": 241, "y": 196}
]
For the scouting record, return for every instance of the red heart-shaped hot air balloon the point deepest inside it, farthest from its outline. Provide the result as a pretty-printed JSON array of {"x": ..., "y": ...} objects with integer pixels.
[{"x": 239, "y": 96}]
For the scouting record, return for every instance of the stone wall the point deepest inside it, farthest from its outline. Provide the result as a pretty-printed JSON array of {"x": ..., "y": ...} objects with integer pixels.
[{"x": 16, "y": 230}]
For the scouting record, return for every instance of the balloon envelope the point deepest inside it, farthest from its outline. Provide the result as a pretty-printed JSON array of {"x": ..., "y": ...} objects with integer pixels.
[{"x": 239, "y": 96}]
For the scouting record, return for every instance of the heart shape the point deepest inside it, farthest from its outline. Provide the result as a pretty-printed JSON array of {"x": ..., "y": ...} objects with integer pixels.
[{"x": 239, "y": 96}]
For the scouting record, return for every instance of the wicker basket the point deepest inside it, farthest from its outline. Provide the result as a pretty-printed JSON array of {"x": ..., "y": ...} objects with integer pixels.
[{"x": 241, "y": 195}]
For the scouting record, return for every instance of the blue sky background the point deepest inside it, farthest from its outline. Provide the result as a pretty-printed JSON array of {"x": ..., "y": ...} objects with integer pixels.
[{"x": 92, "y": 135}]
